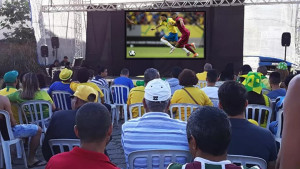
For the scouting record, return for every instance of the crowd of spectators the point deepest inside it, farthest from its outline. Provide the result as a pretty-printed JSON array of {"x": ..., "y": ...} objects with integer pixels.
[{"x": 209, "y": 132}]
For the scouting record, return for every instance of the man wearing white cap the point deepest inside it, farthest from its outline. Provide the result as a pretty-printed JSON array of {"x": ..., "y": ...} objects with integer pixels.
[{"x": 155, "y": 130}]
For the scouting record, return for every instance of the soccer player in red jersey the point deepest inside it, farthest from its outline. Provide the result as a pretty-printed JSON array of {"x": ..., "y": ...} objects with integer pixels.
[{"x": 184, "y": 39}]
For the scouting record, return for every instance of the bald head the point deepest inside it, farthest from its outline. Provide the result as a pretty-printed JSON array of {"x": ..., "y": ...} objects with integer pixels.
[{"x": 207, "y": 66}]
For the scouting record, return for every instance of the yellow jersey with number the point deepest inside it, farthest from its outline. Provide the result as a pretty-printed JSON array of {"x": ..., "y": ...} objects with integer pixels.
[{"x": 169, "y": 25}]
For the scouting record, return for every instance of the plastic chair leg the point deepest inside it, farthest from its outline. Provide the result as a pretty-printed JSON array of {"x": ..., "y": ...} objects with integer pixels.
[
  {"x": 113, "y": 113},
  {"x": 7, "y": 155},
  {"x": 18, "y": 148},
  {"x": 125, "y": 112},
  {"x": 24, "y": 154},
  {"x": 1, "y": 157}
]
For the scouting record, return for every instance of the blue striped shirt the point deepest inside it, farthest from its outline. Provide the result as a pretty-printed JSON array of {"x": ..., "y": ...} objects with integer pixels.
[
  {"x": 153, "y": 131},
  {"x": 100, "y": 81}
]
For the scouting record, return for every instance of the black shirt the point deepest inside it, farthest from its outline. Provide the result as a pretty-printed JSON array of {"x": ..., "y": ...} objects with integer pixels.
[
  {"x": 251, "y": 140},
  {"x": 61, "y": 127}
]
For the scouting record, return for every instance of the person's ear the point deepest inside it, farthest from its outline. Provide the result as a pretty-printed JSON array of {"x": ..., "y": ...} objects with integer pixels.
[
  {"x": 220, "y": 105},
  {"x": 76, "y": 131},
  {"x": 167, "y": 108},
  {"x": 193, "y": 143},
  {"x": 144, "y": 104},
  {"x": 246, "y": 104}
]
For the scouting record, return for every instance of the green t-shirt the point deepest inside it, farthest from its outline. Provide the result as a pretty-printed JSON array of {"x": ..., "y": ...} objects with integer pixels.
[{"x": 39, "y": 95}]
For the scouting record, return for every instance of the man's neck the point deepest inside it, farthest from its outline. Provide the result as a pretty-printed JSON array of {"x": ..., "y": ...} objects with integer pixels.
[
  {"x": 211, "y": 157},
  {"x": 209, "y": 84},
  {"x": 275, "y": 87},
  {"x": 240, "y": 116},
  {"x": 98, "y": 147}
]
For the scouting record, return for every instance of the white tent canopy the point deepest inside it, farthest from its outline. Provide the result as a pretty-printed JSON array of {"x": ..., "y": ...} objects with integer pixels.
[{"x": 263, "y": 26}]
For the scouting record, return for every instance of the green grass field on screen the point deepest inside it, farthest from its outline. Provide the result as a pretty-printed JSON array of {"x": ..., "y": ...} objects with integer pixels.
[{"x": 161, "y": 52}]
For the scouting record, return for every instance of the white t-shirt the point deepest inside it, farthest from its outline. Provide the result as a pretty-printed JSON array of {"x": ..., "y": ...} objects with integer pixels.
[{"x": 211, "y": 92}]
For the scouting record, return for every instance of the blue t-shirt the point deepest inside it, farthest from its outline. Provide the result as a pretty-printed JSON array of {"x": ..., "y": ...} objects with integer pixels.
[
  {"x": 60, "y": 86},
  {"x": 126, "y": 82},
  {"x": 251, "y": 140},
  {"x": 276, "y": 93}
]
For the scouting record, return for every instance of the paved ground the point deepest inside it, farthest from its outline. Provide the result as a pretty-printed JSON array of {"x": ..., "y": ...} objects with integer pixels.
[{"x": 114, "y": 150}]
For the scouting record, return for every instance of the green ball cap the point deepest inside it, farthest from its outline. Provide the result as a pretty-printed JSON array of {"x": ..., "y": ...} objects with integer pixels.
[{"x": 11, "y": 76}]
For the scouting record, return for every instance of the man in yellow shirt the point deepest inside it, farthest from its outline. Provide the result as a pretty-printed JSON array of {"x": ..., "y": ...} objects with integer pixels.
[
  {"x": 136, "y": 95},
  {"x": 11, "y": 81},
  {"x": 173, "y": 35}
]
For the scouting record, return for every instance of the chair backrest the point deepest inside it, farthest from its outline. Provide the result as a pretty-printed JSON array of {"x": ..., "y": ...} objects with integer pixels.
[
  {"x": 63, "y": 143},
  {"x": 183, "y": 106},
  {"x": 259, "y": 111},
  {"x": 279, "y": 119},
  {"x": 34, "y": 110},
  {"x": 106, "y": 94},
  {"x": 119, "y": 93},
  {"x": 247, "y": 160},
  {"x": 201, "y": 84},
  {"x": 139, "y": 106},
  {"x": 161, "y": 155},
  {"x": 8, "y": 126},
  {"x": 215, "y": 101},
  {"x": 62, "y": 99}
]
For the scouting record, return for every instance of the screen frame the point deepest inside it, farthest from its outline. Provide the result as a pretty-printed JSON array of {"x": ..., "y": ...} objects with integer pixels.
[{"x": 166, "y": 10}]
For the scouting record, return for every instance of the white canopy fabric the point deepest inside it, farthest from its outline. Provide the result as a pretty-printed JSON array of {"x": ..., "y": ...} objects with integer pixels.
[{"x": 263, "y": 27}]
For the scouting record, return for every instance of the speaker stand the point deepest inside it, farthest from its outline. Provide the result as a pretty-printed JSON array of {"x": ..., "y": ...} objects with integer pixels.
[{"x": 285, "y": 52}]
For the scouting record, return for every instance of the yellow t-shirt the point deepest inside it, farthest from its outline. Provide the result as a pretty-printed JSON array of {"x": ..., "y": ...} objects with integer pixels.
[
  {"x": 74, "y": 86},
  {"x": 202, "y": 76},
  {"x": 14, "y": 108},
  {"x": 136, "y": 95},
  {"x": 169, "y": 25},
  {"x": 181, "y": 96}
]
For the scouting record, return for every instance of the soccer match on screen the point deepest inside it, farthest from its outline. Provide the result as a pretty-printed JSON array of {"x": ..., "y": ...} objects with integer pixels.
[{"x": 165, "y": 35}]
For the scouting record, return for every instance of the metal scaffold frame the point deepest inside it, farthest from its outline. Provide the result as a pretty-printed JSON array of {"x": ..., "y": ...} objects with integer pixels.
[{"x": 79, "y": 6}]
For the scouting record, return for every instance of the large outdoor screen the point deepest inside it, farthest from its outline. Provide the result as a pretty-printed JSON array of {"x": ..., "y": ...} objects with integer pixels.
[{"x": 165, "y": 35}]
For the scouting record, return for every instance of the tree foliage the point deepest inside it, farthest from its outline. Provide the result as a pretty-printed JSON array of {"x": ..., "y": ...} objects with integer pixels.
[{"x": 16, "y": 20}]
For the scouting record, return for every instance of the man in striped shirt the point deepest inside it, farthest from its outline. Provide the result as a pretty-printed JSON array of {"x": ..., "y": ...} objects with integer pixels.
[
  {"x": 100, "y": 78},
  {"x": 155, "y": 130}
]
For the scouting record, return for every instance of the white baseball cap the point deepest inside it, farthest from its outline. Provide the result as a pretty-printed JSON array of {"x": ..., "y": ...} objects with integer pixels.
[{"x": 157, "y": 90}]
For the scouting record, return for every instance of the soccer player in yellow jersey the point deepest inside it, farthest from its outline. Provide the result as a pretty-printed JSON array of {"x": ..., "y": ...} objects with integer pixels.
[{"x": 173, "y": 36}]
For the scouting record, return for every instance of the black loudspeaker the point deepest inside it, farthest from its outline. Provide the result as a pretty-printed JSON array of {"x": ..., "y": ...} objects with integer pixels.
[
  {"x": 55, "y": 42},
  {"x": 44, "y": 51},
  {"x": 286, "y": 39}
]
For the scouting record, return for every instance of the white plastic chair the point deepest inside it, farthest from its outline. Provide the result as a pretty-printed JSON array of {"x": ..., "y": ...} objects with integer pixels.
[
  {"x": 279, "y": 119},
  {"x": 201, "y": 84},
  {"x": 62, "y": 99},
  {"x": 215, "y": 101},
  {"x": 5, "y": 144},
  {"x": 219, "y": 83},
  {"x": 106, "y": 93},
  {"x": 161, "y": 155},
  {"x": 139, "y": 106},
  {"x": 62, "y": 143},
  {"x": 260, "y": 109},
  {"x": 244, "y": 160},
  {"x": 185, "y": 107},
  {"x": 117, "y": 93},
  {"x": 34, "y": 110}
]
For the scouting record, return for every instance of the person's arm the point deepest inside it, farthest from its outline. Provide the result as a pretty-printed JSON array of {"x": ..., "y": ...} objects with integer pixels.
[
  {"x": 7, "y": 107},
  {"x": 181, "y": 22},
  {"x": 156, "y": 27},
  {"x": 289, "y": 157}
]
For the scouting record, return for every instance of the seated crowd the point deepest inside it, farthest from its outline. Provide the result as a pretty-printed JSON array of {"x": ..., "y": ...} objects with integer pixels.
[{"x": 209, "y": 132}]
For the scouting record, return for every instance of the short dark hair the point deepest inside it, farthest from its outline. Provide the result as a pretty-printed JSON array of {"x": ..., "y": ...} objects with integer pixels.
[
  {"x": 165, "y": 15},
  {"x": 263, "y": 70},
  {"x": 42, "y": 80},
  {"x": 124, "y": 71},
  {"x": 83, "y": 75},
  {"x": 245, "y": 69},
  {"x": 274, "y": 78},
  {"x": 187, "y": 78},
  {"x": 150, "y": 74},
  {"x": 66, "y": 57},
  {"x": 176, "y": 71},
  {"x": 93, "y": 121},
  {"x": 211, "y": 129},
  {"x": 101, "y": 69},
  {"x": 288, "y": 80},
  {"x": 157, "y": 106},
  {"x": 232, "y": 97},
  {"x": 212, "y": 76}
]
